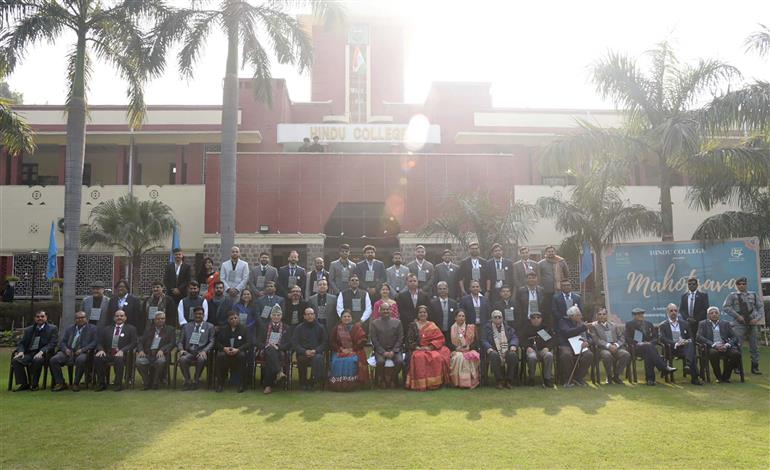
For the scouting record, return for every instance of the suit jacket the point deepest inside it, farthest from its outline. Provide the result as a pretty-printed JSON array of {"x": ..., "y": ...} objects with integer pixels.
[
  {"x": 488, "y": 338},
  {"x": 386, "y": 335},
  {"x": 266, "y": 301},
  {"x": 133, "y": 309},
  {"x": 329, "y": 311},
  {"x": 271, "y": 274},
  {"x": 234, "y": 278},
  {"x": 491, "y": 273},
  {"x": 337, "y": 280},
  {"x": 665, "y": 335},
  {"x": 173, "y": 281},
  {"x": 48, "y": 339},
  {"x": 649, "y": 332},
  {"x": 601, "y": 335},
  {"x": 261, "y": 338},
  {"x": 485, "y": 310},
  {"x": 559, "y": 304},
  {"x": 706, "y": 333},
  {"x": 437, "y": 313},
  {"x": 533, "y": 340},
  {"x": 449, "y": 275},
  {"x": 428, "y": 272},
  {"x": 283, "y": 279},
  {"x": 88, "y": 304},
  {"x": 547, "y": 273},
  {"x": 520, "y": 273},
  {"x": 543, "y": 304},
  {"x": 165, "y": 304},
  {"x": 167, "y": 340},
  {"x": 396, "y": 279},
  {"x": 206, "y": 342},
  {"x": 126, "y": 342},
  {"x": 312, "y": 277},
  {"x": 379, "y": 274},
  {"x": 567, "y": 329},
  {"x": 88, "y": 337},
  {"x": 465, "y": 273},
  {"x": 699, "y": 308},
  {"x": 242, "y": 340},
  {"x": 407, "y": 310},
  {"x": 518, "y": 320}
]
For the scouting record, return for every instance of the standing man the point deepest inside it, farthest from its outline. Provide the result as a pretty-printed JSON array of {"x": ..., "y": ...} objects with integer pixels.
[
  {"x": 471, "y": 269},
  {"x": 115, "y": 343},
  {"x": 96, "y": 304},
  {"x": 693, "y": 305},
  {"x": 234, "y": 273},
  {"x": 186, "y": 309},
  {"x": 325, "y": 305},
  {"x": 159, "y": 302},
  {"x": 507, "y": 305},
  {"x": 29, "y": 356},
  {"x": 409, "y": 300},
  {"x": 611, "y": 345},
  {"x": 354, "y": 299},
  {"x": 194, "y": 346},
  {"x": 153, "y": 351},
  {"x": 499, "y": 271},
  {"x": 476, "y": 306},
  {"x": 129, "y": 304},
  {"x": 341, "y": 270},
  {"x": 447, "y": 271},
  {"x": 721, "y": 342},
  {"x": 551, "y": 271},
  {"x": 318, "y": 274},
  {"x": 78, "y": 342},
  {"x": 215, "y": 302},
  {"x": 640, "y": 334},
  {"x": 310, "y": 342},
  {"x": 396, "y": 275},
  {"x": 371, "y": 272},
  {"x": 266, "y": 303},
  {"x": 261, "y": 274},
  {"x": 423, "y": 269},
  {"x": 295, "y": 307},
  {"x": 521, "y": 268},
  {"x": 748, "y": 312},
  {"x": 564, "y": 299},
  {"x": 443, "y": 309},
  {"x": 291, "y": 275},
  {"x": 177, "y": 276},
  {"x": 531, "y": 298}
]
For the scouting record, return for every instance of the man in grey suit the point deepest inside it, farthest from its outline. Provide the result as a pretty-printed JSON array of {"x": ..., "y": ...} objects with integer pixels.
[
  {"x": 234, "y": 273},
  {"x": 611, "y": 343},
  {"x": 340, "y": 271},
  {"x": 261, "y": 274},
  {"x": 521, "y": 268},
  {"x": 194, "y": 346},
  {"x": 447, "y": 272},
  {"x": 75, "y": 346},
  {"x": 95, "y": 304},
  {"x": 424, "y": 270},
  {"x": 324, "y": 305},
  {"x": 720, "y": 341},
  {"x": 396, "y": 275},
  {"x": 387, "y": 338}
]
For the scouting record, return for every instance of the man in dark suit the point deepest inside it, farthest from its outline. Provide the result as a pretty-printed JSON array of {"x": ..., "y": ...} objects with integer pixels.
[
  {"x": 78, "y": 342},
  {"x": 310, "y": 341},
  {"x": 265, "y": 303},
  {"x": 539, "y": 344},
  {"x": 38, "y": 340},
  {"x": 447, "y": 271},
  {"x": 499, "y": 272},
  {"x": 572, "y": 326},
  {"x": 260, "y": 276},
  {"x": 131, "y": 306},
  {"x": 521, "y": 268},
  {"x": 154, "y": 349},
  {"x": 159, "y": 302},
  {"x": 565, "y": 299},
  {"x": 423, "y": 269},
  {"x": 234, "y": 343},
  {"x": 371, "y": 273},
  {"x": 531, "y": 298},
  {"x": 443, "y": 309},
  {"x": 387, "y": 336},
  {"x": 476, "y": 305},
  {"x": 500, "y": 345},
  {"x": 642, "y": 336},
  {"x": 317, "y": 274},
  {"x": 720, "y": 341},
  {"x": 471, "y": 269},
  {"x": 291, "y": 275},
  {"x": 693, "y": 305},
  {"x": 194, "y": 346},
  {"x": 507, "y": 305},
  {"x": 409, "y": 300},
  {"x": 176, "y": 276},
  {"x": 115, "y": 343},
  {"x": 680, "y": 339}
]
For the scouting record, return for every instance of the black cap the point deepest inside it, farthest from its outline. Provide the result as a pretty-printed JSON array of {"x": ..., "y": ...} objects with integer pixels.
[{"x": 638, "y": 310}]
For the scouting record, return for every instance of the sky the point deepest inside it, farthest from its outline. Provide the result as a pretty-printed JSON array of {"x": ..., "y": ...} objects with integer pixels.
[{"x": 536, "y": 54}]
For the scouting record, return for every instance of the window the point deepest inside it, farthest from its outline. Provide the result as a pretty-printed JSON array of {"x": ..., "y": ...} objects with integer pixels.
[
  {"x": 29, "y": 173},
  {"x": 87, "y": 174}
]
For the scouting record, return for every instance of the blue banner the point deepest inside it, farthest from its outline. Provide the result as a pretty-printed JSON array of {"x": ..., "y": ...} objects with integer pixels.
[{"x": 652, "y": 275}]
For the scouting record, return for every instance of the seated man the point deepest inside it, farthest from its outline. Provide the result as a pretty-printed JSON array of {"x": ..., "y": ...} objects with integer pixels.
[
  {"x": 38, "y": 340},
  {"x": 233, "y": 346},
  {"x": 500, "y": 344},
  {"x": 611, "y": 345},
  {"x": 115, "y": 343},
  {"x": 676, "y": 335},
  {"x": 387, "y": 338},
  {"x": 540, "y": 345},
  {"x": 720, "y": 341},
  {"x": 574, "y": 364},
  {"x": 640, "y": 334},
  {"x": 310, "y": 343},
  {"x": 153, "y": 350},
  {"x": 194, "y": 346},
  {"x": 78, "y": 342}
]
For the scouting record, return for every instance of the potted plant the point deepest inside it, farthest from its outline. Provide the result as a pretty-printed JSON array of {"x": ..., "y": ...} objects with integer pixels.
[{"x": 12, "y": 280}]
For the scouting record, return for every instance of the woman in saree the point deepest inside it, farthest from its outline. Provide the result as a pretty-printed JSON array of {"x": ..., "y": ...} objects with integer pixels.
[
  {"x": 429, "y": 358},
  {"x": 207, "y": 278},
  {"x": 465, "y": 359},
  {"x": 384, "y": 298},
  {"x": 349, "y": 370}
]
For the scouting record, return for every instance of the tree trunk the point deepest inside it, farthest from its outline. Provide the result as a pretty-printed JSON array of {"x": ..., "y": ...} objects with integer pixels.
[
  {"x": 73, "y": 181},
  {"x": 136, "y": 266},
  {"x": 666, "y": 207},
  {"x": 227, "y": 156}
]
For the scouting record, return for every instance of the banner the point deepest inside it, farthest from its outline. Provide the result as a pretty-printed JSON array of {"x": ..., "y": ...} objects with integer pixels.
[{"x": 652, "y": 275}]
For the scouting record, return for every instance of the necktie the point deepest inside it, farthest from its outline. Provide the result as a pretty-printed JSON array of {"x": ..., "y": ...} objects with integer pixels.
[
  {"x": 264, "y": 270},
  {"x": 117, "y": 333},
  {"x": 692, "y": 303},
  {"x": 291, "y": 272},
  {"x": 76, "y": 338},
  {"x": 498, "y": 265}
]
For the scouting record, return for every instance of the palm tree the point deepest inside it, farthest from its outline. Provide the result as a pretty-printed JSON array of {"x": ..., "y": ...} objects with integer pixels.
[
  {"x": 110, "y": 32},
  {"x": 15, "y": 134},
  {"x": 243, "y": 23},
  {"x": 132, "y": 226},
  {"x": 596, "y": 213},
  {"x": 660, "y": 127},
  {"x": 474, "y": 216}
]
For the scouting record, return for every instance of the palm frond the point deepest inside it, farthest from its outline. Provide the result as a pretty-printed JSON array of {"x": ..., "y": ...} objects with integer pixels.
[
  {"x": 746, "y": 109},
  {"x": 690, "y": 81},
  {"x": 734, "y": 224},
  {"x": 617, "y": 77},
  {"x": 194, "y": 38},
  {"x": 759, "y": 41},
  {"x": 15, "y": 133}
]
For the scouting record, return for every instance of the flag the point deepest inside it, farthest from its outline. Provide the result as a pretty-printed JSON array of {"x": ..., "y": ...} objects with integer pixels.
[
  {"x": 174, "y": 244},
  {"x": 587, "y": 263},
  {"x": 358, "y": 59},
  {"x": 51, "y": 270}
]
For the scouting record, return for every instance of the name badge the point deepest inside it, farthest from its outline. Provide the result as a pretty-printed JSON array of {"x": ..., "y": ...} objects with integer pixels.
[
  {"x": 369, "y": 277},
  {"x": 152, "y": 312},
  {"x": 155, "y": 343},
  {"x": 35, "y": 343},
  {"x": 275, "y": 337},
  {"x": 243, "y": 317},
  {"x": 321, "y": 314},
  {"x": 476, "y": 274},
  {"x": 399, "y": 274},
  {"x": 115, "y": 340},
  {"x": 500, "y": 274},
  {"x": 315, "y": 286},
  {"x": 638, "y": 336},
  {"x": 509, "y": 314},
  {"x": 204, "y": 289},
  {"x": 260, "y": 282},
  {"x": 544, "y": 334},
  {"x": 231, "y": 276},
  {"x": 345, "y": 275},
  {"x": 451, "y": 269},
  {"x": 96, "y": 314},
  {"x": 190, "y": 313},
  {"x": 292, "y": 281},
  {"x": 533, "y": 306},
  {"x": 232, "y": 342},
  {"x": 356, "y": 305},
  {"x": 195, "y": 338},
  {"x": 266, "y": 311},
  {"x": 421, "y": 276}
]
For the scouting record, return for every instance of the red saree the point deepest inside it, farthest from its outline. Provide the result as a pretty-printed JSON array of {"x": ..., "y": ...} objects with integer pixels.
[{"x": 428, "y": 370}]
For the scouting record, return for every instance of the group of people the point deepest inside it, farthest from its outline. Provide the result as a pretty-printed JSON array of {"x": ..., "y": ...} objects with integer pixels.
[{"x": 425, "y": 325}]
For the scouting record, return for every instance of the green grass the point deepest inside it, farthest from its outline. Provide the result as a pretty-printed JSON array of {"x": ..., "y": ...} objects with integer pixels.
[{"x": 681, "y": 426}]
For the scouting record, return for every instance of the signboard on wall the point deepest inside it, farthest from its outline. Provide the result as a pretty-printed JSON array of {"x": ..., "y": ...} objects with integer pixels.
[
  {"x": 353, "y": 133},
  {"x": 652, "y": 275}
]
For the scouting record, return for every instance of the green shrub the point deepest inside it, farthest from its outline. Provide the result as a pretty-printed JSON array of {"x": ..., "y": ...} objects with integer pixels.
[{"x": 16, "y": 314}]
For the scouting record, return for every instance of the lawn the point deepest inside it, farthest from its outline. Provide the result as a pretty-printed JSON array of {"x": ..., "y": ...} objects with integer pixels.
[{"x": 673, "y": 426}]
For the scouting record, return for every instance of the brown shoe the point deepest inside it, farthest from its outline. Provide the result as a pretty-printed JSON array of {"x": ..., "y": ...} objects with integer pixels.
[
  {"x": 75, "y": 388},
  {"x": 268, "y": 391},
  {"x": 499, "y": 386}
]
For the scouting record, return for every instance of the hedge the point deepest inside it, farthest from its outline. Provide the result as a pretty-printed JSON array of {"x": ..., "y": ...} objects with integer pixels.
[{"x": 18, "y": 313}]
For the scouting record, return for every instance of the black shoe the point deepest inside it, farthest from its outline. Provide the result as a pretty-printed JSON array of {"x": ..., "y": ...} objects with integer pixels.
[
  {"x": 219, "y": 388},
  {"x": 118, "y": 388},
  {"x": 240, "y": 389},
  {"x": 187, "y": 387},
  {"x": 617, "y": 380},
  {"x": 34, "y": 388},
  {"x": 21, "y": 388},
  {"x": 696, "y": 382},
  {"x": 755, "y": 369},
  {"x": 724, "y": 381},
  {"x": 669, "y": 369},
  {"x": 608, "y": 381},
  {"x": 651, "y": 383},
  {"x": 146, "y": 387},
  {"x": 101, "y": 388},
  {"x": 581, "y": 382},
  {"x": 194, "y": 386},
  {"x": 548, "y": 384},
  {"x": 155, "y": 387},
  {"x": 531, "y": 382}
]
